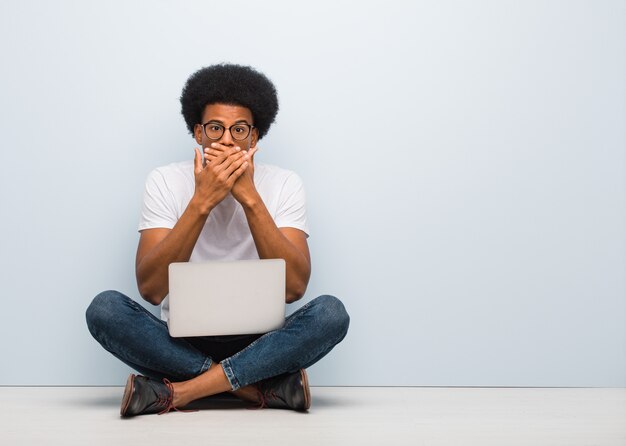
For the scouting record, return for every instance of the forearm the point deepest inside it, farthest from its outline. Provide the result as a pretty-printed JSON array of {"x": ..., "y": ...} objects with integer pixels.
[
  {"x": 272, "y": 244},
  {"x": 177, "y": 246}
]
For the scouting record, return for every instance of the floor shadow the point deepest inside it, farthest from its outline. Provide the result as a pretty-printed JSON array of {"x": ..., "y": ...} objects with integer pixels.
[
  {"x": 330, "y": 401},
  {"x": 220, "y": 401},
  {"x": 101, "y": 401}
]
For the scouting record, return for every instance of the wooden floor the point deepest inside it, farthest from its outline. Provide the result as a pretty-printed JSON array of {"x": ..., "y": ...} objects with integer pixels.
[{"x": 353, "y": 416}]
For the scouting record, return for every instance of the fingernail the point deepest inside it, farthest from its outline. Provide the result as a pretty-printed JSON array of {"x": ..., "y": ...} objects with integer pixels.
[{"x": 213, "y": 144}]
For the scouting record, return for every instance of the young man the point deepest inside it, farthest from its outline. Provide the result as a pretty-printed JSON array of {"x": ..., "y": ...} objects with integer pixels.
[{"x": 222, "y": 207}]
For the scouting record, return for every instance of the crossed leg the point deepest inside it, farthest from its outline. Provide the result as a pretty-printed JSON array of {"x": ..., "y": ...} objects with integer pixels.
[{"x": 138, "y": 338}]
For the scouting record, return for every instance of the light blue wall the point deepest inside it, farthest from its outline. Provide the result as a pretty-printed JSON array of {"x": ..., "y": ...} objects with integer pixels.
[{"x": 464, "y": 163}]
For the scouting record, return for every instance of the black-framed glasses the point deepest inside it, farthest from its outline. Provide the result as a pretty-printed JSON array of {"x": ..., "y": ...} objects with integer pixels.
[{"x": 214, "y": 131}]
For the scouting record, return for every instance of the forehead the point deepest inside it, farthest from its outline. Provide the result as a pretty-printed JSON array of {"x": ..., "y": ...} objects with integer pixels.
[{"x": 226, "y": 113}]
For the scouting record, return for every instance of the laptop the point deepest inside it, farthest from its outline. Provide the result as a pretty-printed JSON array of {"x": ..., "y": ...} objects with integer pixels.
[{"x": 226, "y": 298}]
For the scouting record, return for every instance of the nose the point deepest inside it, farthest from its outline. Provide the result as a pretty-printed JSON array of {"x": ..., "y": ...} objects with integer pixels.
[{"x": 227, "y": 138}]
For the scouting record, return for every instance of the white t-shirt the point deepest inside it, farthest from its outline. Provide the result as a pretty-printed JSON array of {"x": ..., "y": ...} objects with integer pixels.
[{"x": 226, "y": 234}]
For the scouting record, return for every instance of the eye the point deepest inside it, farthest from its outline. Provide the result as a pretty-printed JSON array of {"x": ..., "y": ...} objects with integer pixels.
[
  {"x": 215, "y": 128},
  {"x": 240, "y": 128}
]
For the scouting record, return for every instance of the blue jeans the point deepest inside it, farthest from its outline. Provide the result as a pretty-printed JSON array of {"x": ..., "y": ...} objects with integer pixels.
[{"x": 135, "y": 336}]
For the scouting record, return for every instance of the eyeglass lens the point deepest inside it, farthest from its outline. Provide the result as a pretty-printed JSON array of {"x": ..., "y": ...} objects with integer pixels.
[{"x": 238, "y": 131}]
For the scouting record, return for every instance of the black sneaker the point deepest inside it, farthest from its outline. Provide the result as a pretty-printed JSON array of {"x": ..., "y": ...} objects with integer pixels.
[
  {"x": 287, "y": 391},
  {"x": 143, "y": 395}
]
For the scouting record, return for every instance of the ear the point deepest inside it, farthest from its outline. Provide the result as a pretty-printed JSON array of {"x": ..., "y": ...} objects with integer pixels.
[
  {"x": 197, "y": 133},
  {"x": 255, "y": 137}
]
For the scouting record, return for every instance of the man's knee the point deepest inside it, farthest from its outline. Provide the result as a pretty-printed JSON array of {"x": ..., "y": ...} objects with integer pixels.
[
  {"x": 103, "y": 309},
  {"x": 335, "y": 316}
]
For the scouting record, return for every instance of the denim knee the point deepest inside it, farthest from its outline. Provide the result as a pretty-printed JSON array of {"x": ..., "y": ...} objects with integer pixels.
[
  {"x": 334, "y": 315},
  {"x": 103, "y": 309}
]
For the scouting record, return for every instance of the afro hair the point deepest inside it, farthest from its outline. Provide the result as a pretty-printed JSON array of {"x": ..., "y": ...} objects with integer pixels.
[{"x": 230, "y": 84}]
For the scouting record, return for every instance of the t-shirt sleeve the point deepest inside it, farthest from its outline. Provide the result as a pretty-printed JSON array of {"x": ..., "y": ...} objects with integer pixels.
[
  {"x": 292, "y": 207},
  {"x": 158, "y": 209}
]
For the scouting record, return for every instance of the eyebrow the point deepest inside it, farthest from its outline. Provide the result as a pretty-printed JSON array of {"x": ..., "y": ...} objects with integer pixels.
[{"x": 240, "y": 121}]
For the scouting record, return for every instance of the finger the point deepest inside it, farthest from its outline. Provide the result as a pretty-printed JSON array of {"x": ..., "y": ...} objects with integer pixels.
[
  {"x": 238, "y": 172},
  {"x": 220, "y": 167},
  {"x": 211, "y": 153},
  {"x": 252, "y": 151},
  {"x": 235, "y": 165},
  {"x": 214, "y": 150},
  {"x": 221, "y": 161},
  {"x": 219, "y": 147},
  {"x": 223, "y": 156},
  {"x": 197, "y": 161}
]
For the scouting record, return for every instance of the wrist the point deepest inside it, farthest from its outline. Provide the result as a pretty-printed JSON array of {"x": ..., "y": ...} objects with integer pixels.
[
  {"x": 251, "y": 202},
  {"x": 200, "y": 207}
]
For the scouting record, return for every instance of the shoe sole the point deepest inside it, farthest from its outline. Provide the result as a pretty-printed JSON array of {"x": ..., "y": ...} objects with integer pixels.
[
  {"x": 307, "y": 391},
  {"x": 128, "y": 392}
]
